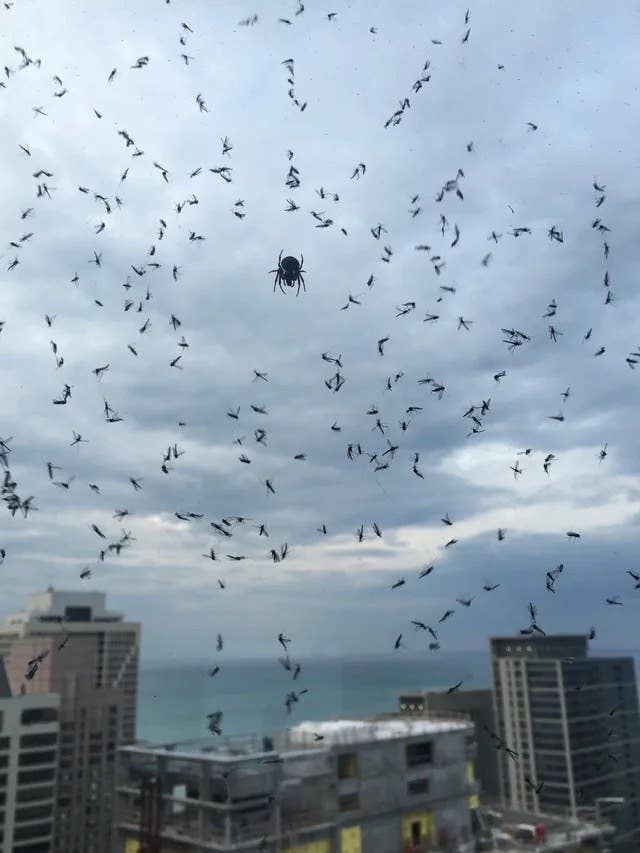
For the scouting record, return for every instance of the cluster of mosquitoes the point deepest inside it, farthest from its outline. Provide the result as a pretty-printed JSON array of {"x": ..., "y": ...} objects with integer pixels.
[{"x": 288, "y": 277}]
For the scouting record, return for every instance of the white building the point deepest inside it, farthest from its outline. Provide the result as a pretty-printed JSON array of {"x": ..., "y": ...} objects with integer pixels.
[
  {"x": 28, "y": 760},
  {"x": 90, "y": 659}
]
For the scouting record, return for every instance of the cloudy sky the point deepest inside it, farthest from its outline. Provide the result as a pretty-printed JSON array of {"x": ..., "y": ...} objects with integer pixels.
[{"x": 562, "y": 67}]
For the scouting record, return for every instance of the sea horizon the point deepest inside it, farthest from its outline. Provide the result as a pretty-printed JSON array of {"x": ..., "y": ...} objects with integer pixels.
[
  {"x": 146, "y": 661},
  {"x": 176, "y": 695}
]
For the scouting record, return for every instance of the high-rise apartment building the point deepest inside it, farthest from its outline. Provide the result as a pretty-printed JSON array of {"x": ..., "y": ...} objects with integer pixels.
[
  {"x": 92, "y": 663},
  {"x": 573, "y": 722},
  {"x": 28, "y": 761}
]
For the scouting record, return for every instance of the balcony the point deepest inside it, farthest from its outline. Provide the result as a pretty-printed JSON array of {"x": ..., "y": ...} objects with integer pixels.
[
  {"x": 187, "y": 830},
  {"x": 31, "y": 832},
  {"x": 190, "y": 829},
  {"x": 176, "y": 828},
  {"x": 227, "y": 806},
  {"x": 250, "y": 831},
  {"x": 306, "y": 819}
]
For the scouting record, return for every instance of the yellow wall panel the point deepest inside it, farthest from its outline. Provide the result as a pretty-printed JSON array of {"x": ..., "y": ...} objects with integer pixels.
[
  {"x": 351, "y": 840},
  {"x": 347, "y": 768},
  {"x": 474, "y": 801},
  {"x": 322, "y": 846}
]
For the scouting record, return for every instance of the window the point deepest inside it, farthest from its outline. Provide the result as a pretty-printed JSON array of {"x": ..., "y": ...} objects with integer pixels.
[
  {"x": 349, "y": 802},
  {"x": 29, "y": 758},
  {"x": 347, "y": 767},
  {"x": 419, "y": 753},
  {"x": 33, "y": 812},
  {"x": 48, "y": 739},
  {"x": 35, "y": 830},
  {"x": 29, "y": 795},
  {"x": 38, "y": 715},
  {"x": 44, "y": 847},
  {"x": 180, "y": 792},
  {"x": 34, "y": 777},
  {"x": 417, "y": 786},
  {"x": 77, "y": 614}
]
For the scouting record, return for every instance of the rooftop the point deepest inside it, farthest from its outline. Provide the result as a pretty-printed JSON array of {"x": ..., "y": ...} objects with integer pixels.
[
  {"x": 549, "y": 646},
  {"x": 471, "y": 693},
  {"x": 508, "y": 830},
  {"x": 353, "y": 731},
  {"x": 55, "y": 606},
  {"x": 303, "y": 737},
  {"x": 535, "y": 638}
]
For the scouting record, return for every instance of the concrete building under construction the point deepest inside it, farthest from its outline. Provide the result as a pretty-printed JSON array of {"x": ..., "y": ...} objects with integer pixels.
[{"x": 381, "y": 785}]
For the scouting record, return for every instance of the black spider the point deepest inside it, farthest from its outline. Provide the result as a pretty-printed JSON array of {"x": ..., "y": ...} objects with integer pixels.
[{"x": 289, "y": 271}]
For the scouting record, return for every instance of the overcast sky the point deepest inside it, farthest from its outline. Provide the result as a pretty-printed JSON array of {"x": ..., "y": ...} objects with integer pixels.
[{"x": 562, "y": 67}]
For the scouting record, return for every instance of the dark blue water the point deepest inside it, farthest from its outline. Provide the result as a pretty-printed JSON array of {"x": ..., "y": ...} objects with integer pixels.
[{"x": 175, "y": 698}]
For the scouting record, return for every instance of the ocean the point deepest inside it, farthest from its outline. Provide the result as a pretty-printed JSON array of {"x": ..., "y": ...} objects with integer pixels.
[{"x": 174, "y": 698}]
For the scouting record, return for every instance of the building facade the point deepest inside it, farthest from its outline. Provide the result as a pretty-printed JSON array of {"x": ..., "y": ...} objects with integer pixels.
[
  {"x": 91, "y": 661},
  {"x": 388, "y": 785},
  {"x": 478, "y": 706},
  {"x": 28, "y": 762},
  {"x": 573, "y": 724}
]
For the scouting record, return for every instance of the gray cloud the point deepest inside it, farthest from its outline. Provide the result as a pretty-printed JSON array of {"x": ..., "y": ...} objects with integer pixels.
[{"x": 565, "y": 70}]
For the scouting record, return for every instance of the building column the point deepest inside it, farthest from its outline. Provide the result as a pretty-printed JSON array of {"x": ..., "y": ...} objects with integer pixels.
[
  {"x": 567, "y": 742},
  {"x": 201, "y": 814}
]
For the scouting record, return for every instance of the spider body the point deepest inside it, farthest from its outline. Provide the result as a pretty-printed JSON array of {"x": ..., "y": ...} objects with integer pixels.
[{"x": 289, "y": 271}]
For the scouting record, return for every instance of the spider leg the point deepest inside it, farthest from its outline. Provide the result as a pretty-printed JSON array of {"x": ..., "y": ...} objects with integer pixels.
[
  {"x": 301, "y": 261},
  {"x": 298, "y": 290},
  {"x": 301, "y": 281}
]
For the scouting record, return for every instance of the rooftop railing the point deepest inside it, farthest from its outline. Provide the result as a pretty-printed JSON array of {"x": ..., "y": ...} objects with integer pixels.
[{"x": 252, "y": 746}]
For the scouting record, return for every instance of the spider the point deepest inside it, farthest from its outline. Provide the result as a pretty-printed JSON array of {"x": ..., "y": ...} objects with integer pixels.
[{"x": 290, "y": 271}]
